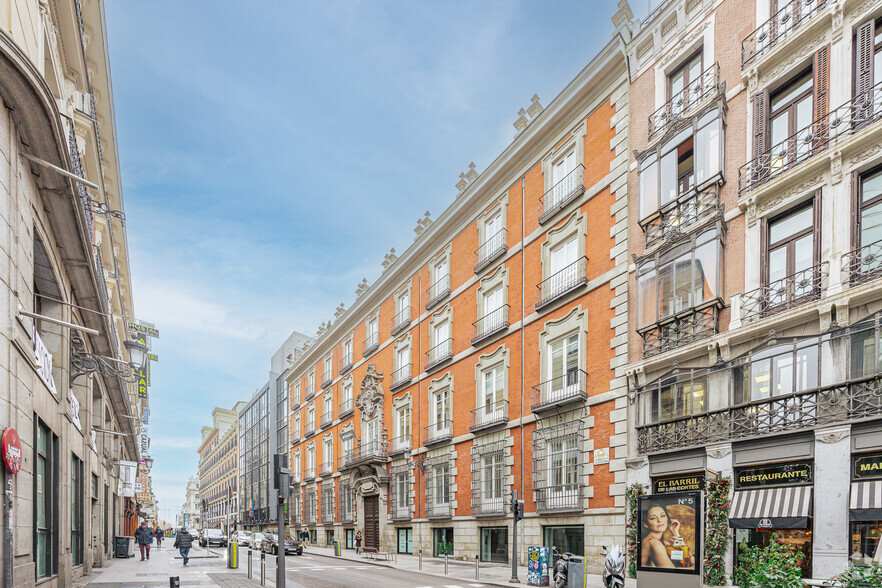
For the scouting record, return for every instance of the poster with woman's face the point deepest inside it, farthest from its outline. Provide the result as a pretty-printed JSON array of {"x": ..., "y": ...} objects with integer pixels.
[{"x": 669, "y": 527}]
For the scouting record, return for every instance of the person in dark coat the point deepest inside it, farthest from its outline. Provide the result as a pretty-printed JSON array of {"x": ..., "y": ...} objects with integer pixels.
[
  {"x": 159, "y": 535},
  {"x": 144, "y": 537},
  {"x": 184, "y": 541},
  {"x": 357, "y": 542}
]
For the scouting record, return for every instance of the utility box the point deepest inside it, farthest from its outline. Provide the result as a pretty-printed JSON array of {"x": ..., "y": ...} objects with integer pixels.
[
  {"x": 233, "y": 561},
  {"x": 576, "y": 572},
  {"x": 124, "y": 547},
  {"x": 537, "y": 566}
]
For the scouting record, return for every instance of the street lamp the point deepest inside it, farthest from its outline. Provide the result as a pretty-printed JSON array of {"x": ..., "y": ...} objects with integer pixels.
[
  {"x": 83, "y": 362},
  {"x": 137, "y": 353},
  {"x": 148, "y": 461}
]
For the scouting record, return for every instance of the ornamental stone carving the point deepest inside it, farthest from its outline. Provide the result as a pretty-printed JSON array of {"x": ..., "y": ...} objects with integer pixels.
[
  {"x": 370, "y": 400},
  {"x": 866, "y": 154},
  {"x": 833, "y": 436},
  {"x": 795, "y": 57},
  {"x": 636, "y": 463},
  {"x": 684, "y": 43},
  {"x": 718, "y": 452}
]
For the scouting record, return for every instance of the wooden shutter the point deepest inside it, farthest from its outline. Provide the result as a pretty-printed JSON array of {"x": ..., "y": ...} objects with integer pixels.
[
  {"x": 821, "y": 85},
  {"x": 759, "y": 168},
  {"x": 855, "y": 210},
  {"x": 866, "y": 34}
]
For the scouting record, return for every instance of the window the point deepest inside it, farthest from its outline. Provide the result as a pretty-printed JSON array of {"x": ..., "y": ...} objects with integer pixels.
[
  {"x": 779, "y": 371},
  {"x": 310, "y": 458},
  {"x": 868, "y": 56},
  {"x": 328, "y": 409},
  {"x": 310, "y": 418},
  {"x": 441, "y": 485},
  {"x": 442, "y": 271},
  {"x": 402, "y": 428},
  {"x": 493, "y": 238},
  {"x": 492, "y": 479},
  {"x": 347, "y": 352},
  {"x": 328, "y": 452},
  {"x": 405, "y": 540},
  {"x": 563, "y": 367},
  {"x": 493, "y": 301},
  {"x": 402, "y": 358},
  {"x": 347, "y": 446},
  {"x": 492, "y": 388},
  {"x": 372, "y": 338},
  {"x": 791, "y": 251},
  {"x": 295, "y": 430},
  {"x": 402, "y": 494},
  {"x": 672, "y": 398},
  {"x": 328, "y": 369},
  {"x": 310, "y": 383},
  {"x": 681, "y": 78},
  {"x": 45, "y": 515},
  {"x": 563, "y": 179},
  {"x": 869, "y": 218},
  {"x": 442, "y": 410},
  {"x": 372, "y": 432},
  {"x": 402, "y": 302},
  {"x": 679, "y": 279},
  {"x": 76, "y": 510},
  {"x": 563, "y": 461},
  {"x": 790, "y": 110}
]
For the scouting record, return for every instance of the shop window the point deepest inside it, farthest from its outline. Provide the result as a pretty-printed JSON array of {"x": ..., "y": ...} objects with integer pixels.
[
  {"x": 350, "y": 538},
  {"x": 494, "y": 544},
  {"x": 564, "y": 539},
  {"x": 800, "y": 540},
  {"x": 442, "y": 542},
  {"x": 329, "y": 537},
  {"x": 313, "y": 536},
  {"x": 405, "y": 540},
  {"x": 865, "y": 544}
]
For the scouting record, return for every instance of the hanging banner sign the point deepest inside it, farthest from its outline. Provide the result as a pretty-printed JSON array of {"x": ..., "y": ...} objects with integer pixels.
[
  {"x": 128, "y": 471},
  {"x": 74, "y": 409},
  {"x": 145, "y": 416},
  {"x": 139, "y": 328},
  {"x": 142, "y": 382},
  {"x": 678, "y": 483},
  {"x": 152, "y": 357},
  {"x": 868, "y": 465},
  {"x": 776, "y": 474},
  {"x": 44, "y": 363}
]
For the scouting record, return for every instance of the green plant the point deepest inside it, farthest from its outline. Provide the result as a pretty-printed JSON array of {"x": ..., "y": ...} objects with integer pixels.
[
  {"x": 445, "y": 548},
  {"x": 857, "y": 576},
  {"x": 633, "y": 492},
  {"x": 774, "y": 566},
  {"x": 716, "y": 540}
]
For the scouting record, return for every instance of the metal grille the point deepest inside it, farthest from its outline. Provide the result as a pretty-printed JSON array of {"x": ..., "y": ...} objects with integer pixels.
[
  {"x": 311, "y": 505},
  {"x": 562, "y": 193},
  {"x": 489, "y": 489},
  {"x": 346, "y": 408},
  {"x": 401, "y": 376},
  {"x": 400, "y": 444},
  {"x": 296, "y": 510},
  {"x": 438, "y": 432},
  {"x": 682, "y": 104},
  {"x": 682, "y": 329},
  {"x": 567, "y": 279},
  {"x": 438, "y": 291},
  {"x": 489, "y": 415},
  {"x": 492, "y": 322},
  {"x": 493, "y": 247},
  {"x": 328, "y": 505},
  {"x": 347, "y": 503},
  {"x": 438, "y": 483},
  {"x": 401, "y": 320},
  {"x": 369, "y": 451},
  {"x": 788, "y": 292},
  {"x": 74, "y": 151},
  {"x": 834, "y": 404},
  {"x": 557, "y": 467},
  {"x": 439, "y": 353},
  {"x": 782, "y": 25},
  {"x": 843, "y": 121},
  {"x": 863, "y": 264},
  {"x": 689, "y": 210},
  {"x": 400, "y": 482},
  {"x": 569, "y": 387}
]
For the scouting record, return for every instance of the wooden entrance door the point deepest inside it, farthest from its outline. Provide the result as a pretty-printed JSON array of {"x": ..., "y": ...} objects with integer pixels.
[{"x": 372, "y": 522}]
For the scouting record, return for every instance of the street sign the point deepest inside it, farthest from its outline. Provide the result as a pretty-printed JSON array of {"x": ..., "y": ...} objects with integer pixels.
[
  {"x": 10, "y": 444},
  {"x": 139, "y": 328}
]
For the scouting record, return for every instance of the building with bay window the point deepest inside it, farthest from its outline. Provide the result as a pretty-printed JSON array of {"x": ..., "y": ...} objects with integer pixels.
[
  {"x": 755, "y": 239},
  {"x": 488, "y": 357}
]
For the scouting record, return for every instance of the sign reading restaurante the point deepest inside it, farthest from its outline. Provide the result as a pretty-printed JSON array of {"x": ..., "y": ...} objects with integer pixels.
[{"x": 779, "y": 474}]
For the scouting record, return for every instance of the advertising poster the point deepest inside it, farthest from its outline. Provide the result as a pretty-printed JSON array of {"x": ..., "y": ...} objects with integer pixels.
[{"x": 670, "y": 533}]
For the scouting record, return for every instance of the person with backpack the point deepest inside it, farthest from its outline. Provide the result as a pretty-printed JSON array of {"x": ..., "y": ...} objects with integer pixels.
[{"x": 183, "y": 542}]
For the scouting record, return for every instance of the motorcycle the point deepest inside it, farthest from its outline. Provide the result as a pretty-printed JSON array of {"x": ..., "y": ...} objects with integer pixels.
[
  {"x": 560, "y": 568},
  {"x": 614, "y": 567}
]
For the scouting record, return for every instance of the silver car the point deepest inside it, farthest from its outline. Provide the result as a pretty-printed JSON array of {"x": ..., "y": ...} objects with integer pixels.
[
  {"x": 243, "y": 538},
  {"x": 256, "y": 540}
]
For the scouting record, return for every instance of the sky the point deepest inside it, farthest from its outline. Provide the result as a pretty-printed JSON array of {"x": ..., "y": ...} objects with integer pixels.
[{"x": 272, "y": 153}]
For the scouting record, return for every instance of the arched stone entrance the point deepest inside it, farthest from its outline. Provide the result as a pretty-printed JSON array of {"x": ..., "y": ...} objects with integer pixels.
[{"x": 371, "y": 488}]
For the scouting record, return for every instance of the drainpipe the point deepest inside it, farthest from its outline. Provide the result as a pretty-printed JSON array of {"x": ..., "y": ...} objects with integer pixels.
[{"x": 523, "y": 318}]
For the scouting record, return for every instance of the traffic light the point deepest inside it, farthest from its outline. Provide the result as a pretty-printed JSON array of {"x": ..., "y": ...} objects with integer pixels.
[
  {"x": 280, "y": 472},
  {"x": 519, "y": 510}
]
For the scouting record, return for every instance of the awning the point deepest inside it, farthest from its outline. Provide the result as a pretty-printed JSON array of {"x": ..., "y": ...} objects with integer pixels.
[
  {"x": 866, "y": 501},
  {"x": 772, "y": 508}
]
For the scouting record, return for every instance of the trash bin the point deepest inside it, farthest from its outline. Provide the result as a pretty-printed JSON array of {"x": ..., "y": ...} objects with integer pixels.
[
  {"x": 338, "y": 548},
  {"x": 124, "y": 547},
  {"x": 576, "y": 572}
]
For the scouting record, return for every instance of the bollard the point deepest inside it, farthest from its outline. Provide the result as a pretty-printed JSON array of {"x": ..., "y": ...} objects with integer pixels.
[
  {"x": 421, "y": 560},
  {"x": 174, "y": 582},
  {"x": 477, "y": 570},
  {"x": 262, "y": 569},
  {"x": 445, "y": 564},
  {"x": 249, "y": 563}
]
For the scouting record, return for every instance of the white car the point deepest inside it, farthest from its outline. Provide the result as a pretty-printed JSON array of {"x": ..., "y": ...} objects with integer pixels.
[
  {"x": 243, "y": 538},
  {"x": 256, "y": 540}
]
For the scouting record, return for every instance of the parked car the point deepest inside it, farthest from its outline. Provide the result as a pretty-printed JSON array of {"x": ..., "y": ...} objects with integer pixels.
[
  {"x": 242, "y": 538},
  {"x": 270, "y": 544},
  {"x": 213, "y": 537},
  {"x": 256, "y": 540},
  {"x": 200, "y": 536}
]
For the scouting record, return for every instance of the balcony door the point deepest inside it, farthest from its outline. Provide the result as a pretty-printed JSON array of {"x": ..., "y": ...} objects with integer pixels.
[
  {"x": 492, "y": 384},
  {"x": 492, "y": 235},
  {"x": 563, "y": 368},
  {"x": 442, "y": 412},
  {"x": 791, "y": 110},
  {"x": 492, "y": 482},
  {"x": 402, "y": 426},
  {"x": 562, "y": 270},
  {"x": 563, "y": 179},
  {"x": 791, "y": 255},
  {"x": 686, "y": 76},
  {"x": 563, "y": 474},
  {"x": 869, "y": 221},
  {"x": 492, "y": 315}
]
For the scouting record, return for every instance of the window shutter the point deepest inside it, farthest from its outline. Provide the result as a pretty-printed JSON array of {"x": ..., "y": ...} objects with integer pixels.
[
  {"x": 821, "y": 91},
  {"x": 855, "y": 210},
  {"x": 760, "y": 122},
  {"x": 865, "y": 42}
]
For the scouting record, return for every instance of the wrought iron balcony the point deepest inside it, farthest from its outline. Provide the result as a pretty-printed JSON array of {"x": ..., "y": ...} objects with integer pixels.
[
  {"x": 839, "y": 123},
  {"x": 494, "y": 246},
  {"x": 400, "y": 502},
  {"x": 371, "y": 344},
  {"x": 345, "y": 408},
  {"x": 783, "y": 294},
  {"x": 688, "y": 210},
  {"x": 861, "y": 399},
  {"x": 683, "y": 104},
  {"x": 439, "y": 354},
  {"x": 490, "y": 415},
  {"x": 560, "y": 498},
  {"x": 564, "y": 191},
  {"x": 862, "y": 265},
  {"x": 562, "y": 282},
  {"x": 401, "y": 320},
  {"x": 681, "y": 329},
  {"x": 369, "y": 451},
  {"x": 400, "y": 444},
  {"x": 310, "y": 428},
  {"x": 347, "y": 512},
  {"x": 780, "y": 26},
  {"x": 437, "y": 510},
  {"x": 308, "y": 474},
  {"x": 493, "y": 502},
  {"x": 327, "y": 512},
  {"x": 438, "y": 432},
  {"x": 438, "y": 291},
  {"x": 326, "y": 379},
  {"x": 327, "y": 419},
  {"x": 491, "y": 323},
  {"x": 310, "y": 393},
  {"x": 345, "y": 363},
  {"x": 345, "y": 460},
  {"x": 326, "y": 469},
  {"x": 570, "y": 387},
  {"x": 401, "y": 377}
]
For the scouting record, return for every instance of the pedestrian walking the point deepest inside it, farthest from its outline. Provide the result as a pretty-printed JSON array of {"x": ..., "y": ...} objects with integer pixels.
[
  {"x": 184, "y": 541},
  {"x": 304, "y": 536},
  {"x": 159, "y": 535},
  {"x": 144, "y": 537},
  {"x": 357, "y": 542}
]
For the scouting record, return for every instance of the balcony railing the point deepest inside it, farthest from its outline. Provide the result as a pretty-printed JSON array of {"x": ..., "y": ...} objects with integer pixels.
[
  {"x": 438, "y": 432},
  {"x": 558, "y": 284},
  {"x": 326, "y": 469},
  {"x": 371, "y": 344},
  {"x": 400, "y": 444},
  {"x": 682, "y": 329},
  {"x": 562, "y": 498},
  {"x": 327, "y": 419},
  {"x": 439, "y": 354},
  {"x": 489, "y": 415},
  {"x": 493, "y": 502},
  {"x": 327, "y": 513},
  {"x": 684, "y": 102},
  {"x": 347, "y": 512},
  {"x": 326, "y": 379},
  {"x": 369, "y": 451},
  {"x": 563, "y": 192},
  {"x": 401, "y": 320},
  {"x": 310, "y": 392},
  {"x": 345, "y": 363},
  {"x": 345, "y": 460},
  {"x": 438, "y": 291},
  {"x": 490, "y": 324},
  {"x": 310, "y": 428},
  {"x": 570, "y": 387},
  {"x": 688, "y": 210},
  {"x": 837, "y": 124},
  {"x": 494, "y": 246},
  {"x": 401, "y": 377},
  {"x": 308, "y": 474},
  {"x": 782, "y": 25},
  {"x": 861, "y": 399},
  {"x": 345, "y": 408},
  {"x": 862, "y": 265},
  {"x": 783, "y": 294}
]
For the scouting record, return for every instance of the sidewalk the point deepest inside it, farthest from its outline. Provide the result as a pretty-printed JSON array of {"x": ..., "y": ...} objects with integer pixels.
[{"x": 461, "y": 571}]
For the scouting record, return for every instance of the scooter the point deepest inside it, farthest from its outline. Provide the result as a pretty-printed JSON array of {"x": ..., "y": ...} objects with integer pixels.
[
  {"x": 560, "y": 569},
  {"x": 614, "y": 567}
]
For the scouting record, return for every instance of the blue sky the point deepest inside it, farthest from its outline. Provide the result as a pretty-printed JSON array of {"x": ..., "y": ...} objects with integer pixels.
[{"x": 273, "y": 152}]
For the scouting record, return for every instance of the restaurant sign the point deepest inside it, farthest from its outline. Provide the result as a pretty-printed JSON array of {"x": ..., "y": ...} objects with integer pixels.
[
  {"x": 776, "y": 474},
  {"x": 678, "y": 483},
  {"x": 866, "y": 466}
]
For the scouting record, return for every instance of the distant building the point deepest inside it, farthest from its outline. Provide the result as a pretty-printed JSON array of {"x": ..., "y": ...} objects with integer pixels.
[
  {"x": 218, "y": 470},
  {"x": 190, "y": 509}
]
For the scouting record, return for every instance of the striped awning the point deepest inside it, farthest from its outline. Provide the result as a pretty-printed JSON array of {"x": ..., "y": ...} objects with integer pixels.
[
  {"x": 772, "y": 508},
  {"x": 866, "y": 501}
]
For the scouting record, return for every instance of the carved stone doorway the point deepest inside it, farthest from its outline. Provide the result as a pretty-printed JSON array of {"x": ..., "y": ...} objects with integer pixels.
[{"x": 372, "y": 522}]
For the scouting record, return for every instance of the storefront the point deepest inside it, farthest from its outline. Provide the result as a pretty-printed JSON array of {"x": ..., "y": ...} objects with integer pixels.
[
  {"x": 774, "y": 498},
  {"x": 494, "y": 544},
  {"x": 442, "y": 543},
  {"x": 405, "y": 540},
  {"x": 350, "y": 538},
  {"x": 564, "y": 539},
  {"x": 865, "y": 499}
]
